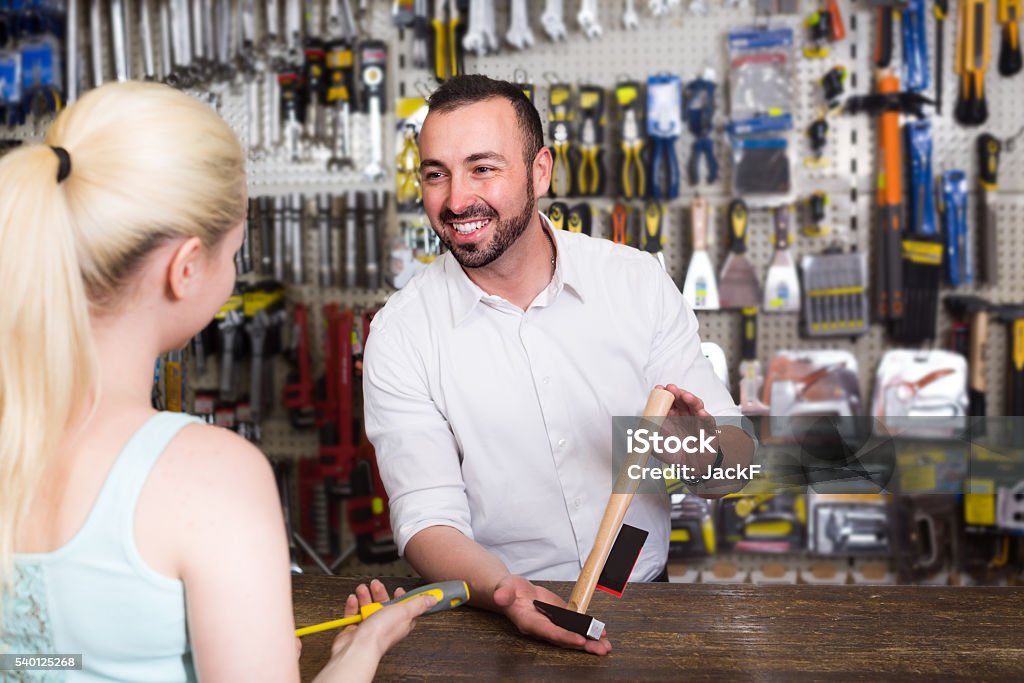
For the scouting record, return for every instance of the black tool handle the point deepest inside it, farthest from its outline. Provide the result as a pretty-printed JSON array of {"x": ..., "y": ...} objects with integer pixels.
[
  {"x": 738, "y": 225},
  {"x": 988, "y": 147},
  {"x": 1009, "y": 50},
  {"x": 782, "y": 218},
  {"x": 748, "y": 347},
  {"x": 883, "y": 38}
]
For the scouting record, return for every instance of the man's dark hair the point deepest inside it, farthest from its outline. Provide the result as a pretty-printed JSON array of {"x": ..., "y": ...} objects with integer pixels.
[{"x": 472, "y": 88}]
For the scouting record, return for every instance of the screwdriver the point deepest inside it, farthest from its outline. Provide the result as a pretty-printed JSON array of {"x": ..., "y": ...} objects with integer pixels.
[{"x": 449, "y": 594}]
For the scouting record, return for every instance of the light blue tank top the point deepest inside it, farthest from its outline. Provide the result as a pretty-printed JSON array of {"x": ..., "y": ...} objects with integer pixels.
[{"x": 96, "y": 595}]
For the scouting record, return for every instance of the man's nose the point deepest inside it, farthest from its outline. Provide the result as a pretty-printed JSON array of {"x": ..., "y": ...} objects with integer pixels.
[{"x": 460, "y": 194}]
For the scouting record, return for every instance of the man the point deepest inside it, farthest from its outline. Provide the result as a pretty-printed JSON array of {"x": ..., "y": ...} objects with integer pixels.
[{"x": 491, "y": 378}]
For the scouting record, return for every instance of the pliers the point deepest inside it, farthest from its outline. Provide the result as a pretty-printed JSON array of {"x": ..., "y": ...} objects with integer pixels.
[
  {"x": 561, "y": 182},
  {"x": 589, "y": 180},
  {"x": 632, "y": 163},
  {"x": 407, "y": 169},
  {"x": 664, "y": 151},
  {"x": 447, "y": 40}
]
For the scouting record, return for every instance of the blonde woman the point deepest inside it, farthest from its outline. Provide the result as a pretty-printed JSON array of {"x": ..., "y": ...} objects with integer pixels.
[{"x": 149, "y": 542}]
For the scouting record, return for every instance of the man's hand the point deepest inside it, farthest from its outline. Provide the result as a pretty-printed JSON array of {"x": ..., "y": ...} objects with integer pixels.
[
  {"x": 735, "y": 445},
  {"x": 514, "y": 597}
]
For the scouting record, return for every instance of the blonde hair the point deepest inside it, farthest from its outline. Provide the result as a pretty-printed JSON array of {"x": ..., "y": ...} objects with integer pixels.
[{"x": 148, "y": 163}]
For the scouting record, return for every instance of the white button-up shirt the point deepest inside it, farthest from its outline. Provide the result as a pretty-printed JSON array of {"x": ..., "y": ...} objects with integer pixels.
[{"x": 498, "y": 421}]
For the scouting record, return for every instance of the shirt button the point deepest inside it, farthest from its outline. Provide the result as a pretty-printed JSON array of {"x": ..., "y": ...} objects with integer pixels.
[
  {"x": 562, "y": 443},
  {"x": 578, "y": 503},
  {"x": 546, "y": 380}
]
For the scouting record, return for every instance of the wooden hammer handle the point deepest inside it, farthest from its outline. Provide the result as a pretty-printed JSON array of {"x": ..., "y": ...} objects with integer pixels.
[{"x": 658, "y": 404}]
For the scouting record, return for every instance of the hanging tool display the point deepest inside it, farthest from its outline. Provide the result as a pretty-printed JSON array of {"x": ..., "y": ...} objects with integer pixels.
[
  {"x": 817, "y": 135},
  {"x": 833, "y": 87},
  {"x": 922, "y": 245},
  {"x": 824, "y": 26},
  {"x": 700, "y": 289},
  {"x": 988, "y": 149},
  {"x": 652, "y": 238},
  {"x": 560, "y": 117},
  {"x": 941, "y": 11},
  {"x": 447, "y": 39},
  {"x": 738, "y": 283},
  {"x": 751, "y": 378},
  {"x": 580, "y": 219},
  {"x": 781, "y": 287},
  {"x": 632, "y": 180},
  {"x": 817, "y": 205},
  {"x": 1009, "y": 45},
  {"x": 915, "y": 46},
  {"x": 664, "y": 124},
  {"x": 889, "y": 283},
  {"x": 699, "y": 104},
  {"x": 959, "y": 256},
  {"x": 969, "y": 337},
  {"x": 835, "y": 294},
  {"x": 1013, "y": 316},
  {"x": 620, "y": 223},
  {"x": 373, "y": 59},
  {"x": 340, "y": 91},
  {"x": 592, "y": 121},
  {"x": 558, "y": 214},
  {"x": 972, "y": 58}
]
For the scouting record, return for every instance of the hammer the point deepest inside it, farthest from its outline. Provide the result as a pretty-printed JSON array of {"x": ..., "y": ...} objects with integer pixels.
[
  {"x": 574, "y": 618},
  {"x": 971, "y": 342}
]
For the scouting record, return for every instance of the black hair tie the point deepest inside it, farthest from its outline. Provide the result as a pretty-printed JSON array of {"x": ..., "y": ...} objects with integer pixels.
[{"x": 64, "y": 170}]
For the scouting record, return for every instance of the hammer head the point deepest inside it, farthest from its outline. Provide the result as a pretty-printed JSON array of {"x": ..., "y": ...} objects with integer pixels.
[
  {"x": 588, "y": 627},
  {"x": 1009, "y": 312},
  {"x": 963, "y": 305}
]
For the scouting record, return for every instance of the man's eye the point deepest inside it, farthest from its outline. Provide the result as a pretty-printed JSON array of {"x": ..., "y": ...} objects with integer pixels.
[
  {"x": 484, "y": 169},
  {"x": 432, "y": 175}
]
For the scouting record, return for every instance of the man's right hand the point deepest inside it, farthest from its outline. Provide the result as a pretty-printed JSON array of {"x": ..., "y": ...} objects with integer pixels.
[{"x": 514, "y": 596}]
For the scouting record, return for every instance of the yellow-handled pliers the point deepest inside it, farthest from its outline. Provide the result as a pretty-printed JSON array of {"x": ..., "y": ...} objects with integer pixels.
[
  {"x": 561, "y": 171},
  {"x": 633, "y": 180},
  {"x": 407, "y": 169},
  {"x": 589, "y": 181}
]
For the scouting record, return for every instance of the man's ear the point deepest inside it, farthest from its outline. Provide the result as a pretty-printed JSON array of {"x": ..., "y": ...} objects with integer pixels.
[
  {"x": 542, "y": 164},
  {"x": 184, "y": 267}
]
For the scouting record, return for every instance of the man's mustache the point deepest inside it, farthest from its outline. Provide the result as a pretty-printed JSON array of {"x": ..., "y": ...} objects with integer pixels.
[{"x": 475, "y": 211}]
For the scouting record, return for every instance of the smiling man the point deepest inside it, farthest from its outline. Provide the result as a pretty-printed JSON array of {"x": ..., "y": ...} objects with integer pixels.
[{"x": 492, "y": 377}]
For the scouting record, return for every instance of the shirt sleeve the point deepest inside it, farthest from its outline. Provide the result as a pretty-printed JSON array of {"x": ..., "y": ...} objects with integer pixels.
[
  {"x": 676, "y": 356},
  {"x": 416, "y": 451}
]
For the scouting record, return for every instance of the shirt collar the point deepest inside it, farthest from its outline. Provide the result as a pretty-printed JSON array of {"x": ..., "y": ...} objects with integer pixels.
[{"x": 464, "y": 294}]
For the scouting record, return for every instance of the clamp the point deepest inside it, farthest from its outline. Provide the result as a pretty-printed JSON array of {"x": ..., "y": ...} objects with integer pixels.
[{"x": 699, "y": 96}]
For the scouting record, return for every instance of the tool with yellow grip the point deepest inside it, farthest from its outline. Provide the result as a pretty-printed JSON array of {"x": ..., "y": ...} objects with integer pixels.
[
  {"x": 1008, "y": 17},
  {"x": 973, "y": 53},
  {"x": 449, "y": 594}
]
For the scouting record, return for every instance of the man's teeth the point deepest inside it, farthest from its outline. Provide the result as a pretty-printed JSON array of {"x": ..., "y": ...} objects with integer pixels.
[{"x": 466, "y": 228}]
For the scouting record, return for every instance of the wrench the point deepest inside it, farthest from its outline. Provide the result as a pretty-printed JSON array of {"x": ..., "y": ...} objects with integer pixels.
[
  {"x": 372, "y": 209},
  {"x": 265, "y": 209},
  {"x": 146, "y": 29},
  {"x": 117, "y": 35},
  {"x": 71, "y": 50},
  {"x": 373, "y": 58},
  {"x": 257, "y": 331},
  {"x": 96, "y": 41},
  {"x": 228, "y": 328},
  {"x": 280, "y": 215},
  {"x": 519, "y": 34},
  {"x": 323, "y": 215},
  {"x": 630, "y": 19},
  {"x": 253, "y": 104},
  {"x": 273, "y": 34},
  {"x": 553, "y": 19},
  {"x": 480, "y": 36},
  {"x": 351, "y": 208},
  {"x": 298, "y": 242},
  {"x": 588, "y": 20},
  {"x": 166, "y": 61}
]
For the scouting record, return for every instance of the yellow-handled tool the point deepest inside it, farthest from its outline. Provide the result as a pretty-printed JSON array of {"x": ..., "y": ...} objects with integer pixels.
[{"x": 449, "y": 594}]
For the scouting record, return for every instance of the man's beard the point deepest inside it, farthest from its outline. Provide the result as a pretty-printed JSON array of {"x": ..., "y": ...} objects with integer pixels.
[{"x": 506, "y": 231}]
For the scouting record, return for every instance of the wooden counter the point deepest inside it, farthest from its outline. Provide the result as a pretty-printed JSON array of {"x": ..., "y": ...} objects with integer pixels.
[{"x": 711, "y": 632}]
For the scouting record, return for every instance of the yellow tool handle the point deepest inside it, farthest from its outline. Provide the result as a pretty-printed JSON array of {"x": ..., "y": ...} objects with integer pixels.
[
  {"x": 453, "y": 45},
  {"x": 627, "y": 181},
  {"x": 440, "y": 51},
  {"x": 449, "y": 594},
  {"x": 658, "y": 404}
]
